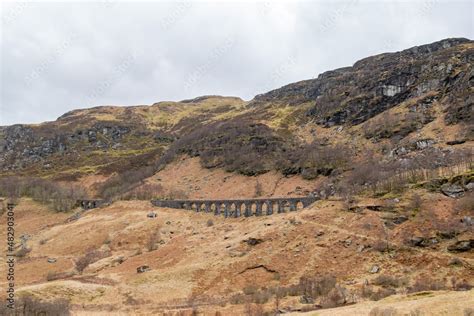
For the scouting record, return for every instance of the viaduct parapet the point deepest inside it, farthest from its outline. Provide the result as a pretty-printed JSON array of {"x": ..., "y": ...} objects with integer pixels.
[{"x": 240, "y": 207}]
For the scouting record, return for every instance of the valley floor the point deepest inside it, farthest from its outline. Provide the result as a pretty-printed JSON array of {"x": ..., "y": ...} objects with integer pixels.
[{"x": 199, "y": 262}]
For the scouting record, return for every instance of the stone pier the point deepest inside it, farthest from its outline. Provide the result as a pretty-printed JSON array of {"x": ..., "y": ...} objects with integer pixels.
[{"x": 240, "y": 207}]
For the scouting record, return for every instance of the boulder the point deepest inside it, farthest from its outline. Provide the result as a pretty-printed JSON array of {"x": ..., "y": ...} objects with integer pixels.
[
  {"x": 374, "y": 269},
  {"x": 455, "y": 142},
  {"x": 151, "y": 215},
  {"x": 469, "y": 186},
  {"x": 399, "y": 219},
  {"x": 452, "y": 190},
  {"x": 416, "y": 241},
  {"x": 253, "y": 241},
  {"x": 423, "y": 143},
  {"x": 143, "y": 269},
  {"x": 447, "y": 234},
  {"x": 461, "y": 246},
  {"x": 467, "y": 220},
  {"x": 319, "y": 233},
  {"x": 375, "y": 208},
  {"x": 422, "y": 241},
  {"x": 306, "y": 299},
  {"x": 391, "y": 219}
]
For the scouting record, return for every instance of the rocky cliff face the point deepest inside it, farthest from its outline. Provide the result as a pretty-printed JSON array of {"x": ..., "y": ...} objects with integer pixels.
[
  {"x": 374, "y": 84},
  {"x": 434, "y": 82},
  {"x": 23, "y": 145}
]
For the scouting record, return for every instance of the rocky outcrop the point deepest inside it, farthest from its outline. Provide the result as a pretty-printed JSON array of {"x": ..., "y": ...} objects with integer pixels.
[
  {"x": 83, "y": 141},
  {"x": 422, "y": 241},
  {"x": 351, "y": 95},
  {"x": 142, "y": 269},
  {"x": 452, "y": 190},
  {"x": 23, "y": 145},
  {"x": 462, "y": 246}
]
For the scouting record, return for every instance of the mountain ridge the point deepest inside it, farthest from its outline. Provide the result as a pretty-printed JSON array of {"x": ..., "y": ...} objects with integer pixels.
[{"x": 280, "y": 124}]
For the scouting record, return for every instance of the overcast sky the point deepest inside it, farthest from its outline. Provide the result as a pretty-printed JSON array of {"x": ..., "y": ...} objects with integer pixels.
[{"x": 59, "y": 56}]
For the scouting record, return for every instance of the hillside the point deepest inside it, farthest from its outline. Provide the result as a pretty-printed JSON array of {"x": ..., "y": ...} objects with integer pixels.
[
  {"x": 211, "y": 264},
  {"x": 382, "y": 102},
  {"x": 386, "y": 146}
]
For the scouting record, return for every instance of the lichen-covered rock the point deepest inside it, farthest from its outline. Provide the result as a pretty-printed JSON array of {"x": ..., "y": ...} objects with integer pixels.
[
  {"x": 374, "y": 84},
  {"x": 461, "y": 246},
  {"x": 452, "y": 190},
  {"x": 143, "y": 268}
]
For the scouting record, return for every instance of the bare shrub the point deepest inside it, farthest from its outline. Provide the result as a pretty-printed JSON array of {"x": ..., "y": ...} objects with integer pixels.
[
  {"x": 382, "y": 126},
  {"x": 30, "y": 305},
  {"x": 250, "y": 290},
  {"x": 209, "y": 223},
  {"x": 218, "y": 145},
  {"x": 176, "y": 194},
  {"x": 389, "y": 125},
  {"x": 336, "y": 297},
  {"x": 469, "y": 311},
  {"x": 415, "y": 202},
  {"x": 368, "y": 291},
  {"x": 90, "y": 257},
  {"x": 258, "y": 189},
  {"x": 238, "y": 298},
  {"x": 383, "y": 311},
  {"x": 144, "y": 192},
  {"x": 388, "y": 281},
  {"x": 63, "y": 204},
  {"x": 394, "y": 175},
  {"x": 154, "y": 238},
  {"x": 318, "y": 159},
  {"x": 62, "y": 197},
  {"x": 381, "y": 246},
  {"x": 309, "y": 288},
  {"x": 122, "y": 183},
  {"x": 462, "y": 285},
  {"x": 254, "y": 310},
  {"x": 22, "y": 252},
  {"x": 365, "y": 176},
  {"x": 466, "y": 203},
  {"x": 426, "y": 284},
  {"x": 261, "y": 297},
  {"x": 382, "y": 293},
  {"x": 316, "y": 286}
]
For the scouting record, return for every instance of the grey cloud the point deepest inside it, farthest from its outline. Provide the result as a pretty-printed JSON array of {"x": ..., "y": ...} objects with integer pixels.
[{"x": 58, "y": 56}]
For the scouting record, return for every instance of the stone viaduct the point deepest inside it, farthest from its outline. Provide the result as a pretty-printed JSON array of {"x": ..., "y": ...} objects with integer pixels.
[
  {"x": 241, "y": 207},
  {"x": 228, "y": 208},
  {"x": 90, "y": 204}
]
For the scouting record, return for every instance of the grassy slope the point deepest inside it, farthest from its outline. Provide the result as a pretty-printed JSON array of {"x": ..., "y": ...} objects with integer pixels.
[{"x": 196, "y": 260}]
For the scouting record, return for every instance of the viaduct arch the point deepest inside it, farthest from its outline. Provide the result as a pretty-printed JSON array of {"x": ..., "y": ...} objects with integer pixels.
[{"x": 240, "y": 207}]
